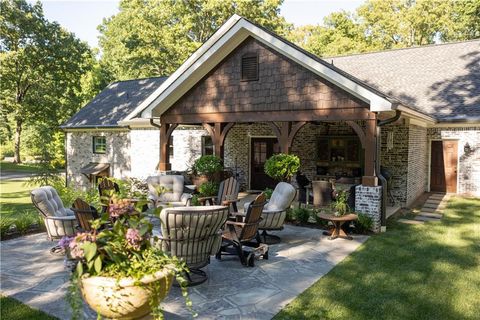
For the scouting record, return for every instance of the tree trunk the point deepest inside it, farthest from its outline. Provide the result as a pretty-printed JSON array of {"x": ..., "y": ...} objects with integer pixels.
[{"x": 18, "y": 132}]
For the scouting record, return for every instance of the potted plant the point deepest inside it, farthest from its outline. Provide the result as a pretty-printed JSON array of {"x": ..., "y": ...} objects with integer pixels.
[
  {"x": 121, "y": 273},
  {"x": 282, "y": 167},
  {"x": 340, "y": 205},
  {"x": 206, "y": 168}
]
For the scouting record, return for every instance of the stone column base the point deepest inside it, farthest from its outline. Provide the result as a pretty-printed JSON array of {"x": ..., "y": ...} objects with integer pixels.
[{"x": 368, "y": 200}]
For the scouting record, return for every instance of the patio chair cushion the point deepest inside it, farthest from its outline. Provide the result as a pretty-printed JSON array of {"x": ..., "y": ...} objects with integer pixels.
[
  {"x": 192, "y": 234},
  {"x": 47, "y": 200},
  {"x": 174, "y": 185}
]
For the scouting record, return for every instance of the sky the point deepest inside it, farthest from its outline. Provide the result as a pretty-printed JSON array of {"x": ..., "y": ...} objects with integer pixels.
[{"x": 83, "y": 17}]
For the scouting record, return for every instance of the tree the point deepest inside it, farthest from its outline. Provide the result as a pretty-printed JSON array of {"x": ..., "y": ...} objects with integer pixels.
[
  {"x": 387, "y": 24},
  {"x": 153, "y": 37},
  {"x": 41, "y": 65}
]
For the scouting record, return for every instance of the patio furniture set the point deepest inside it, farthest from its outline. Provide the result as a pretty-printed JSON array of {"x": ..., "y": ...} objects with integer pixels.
[{"x": 192, "y": 233}]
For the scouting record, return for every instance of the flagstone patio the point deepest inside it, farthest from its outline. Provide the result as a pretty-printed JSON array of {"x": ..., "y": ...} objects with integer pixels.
[{"x": 32, "y": 275}]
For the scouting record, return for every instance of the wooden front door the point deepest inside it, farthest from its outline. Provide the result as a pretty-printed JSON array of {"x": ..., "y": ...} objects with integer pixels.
[
  {"x": 261, "y": 150},
  {"x": 443, "y": 172}
]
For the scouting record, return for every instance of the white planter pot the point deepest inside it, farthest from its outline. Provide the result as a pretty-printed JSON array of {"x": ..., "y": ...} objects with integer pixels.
[{"x": 123, "y": 299}]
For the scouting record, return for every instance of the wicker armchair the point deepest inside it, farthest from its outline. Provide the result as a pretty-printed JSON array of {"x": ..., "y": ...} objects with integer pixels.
[
  {"x": 241, "y": 231},
  {"x": 59, "y": 221},
  {"x": 274, "y": 212},
  {"x": 192, "y": 234},
  {"x": 173, "y": 195}
]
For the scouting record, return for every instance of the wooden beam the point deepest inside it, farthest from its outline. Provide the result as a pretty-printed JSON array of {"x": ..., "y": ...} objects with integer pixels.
[
  {"x": 274, "y": 115},
  {"x": 218, "y": 131},
  {"x": 358, "y": 130},
  {"x": 166, "y": 130}
]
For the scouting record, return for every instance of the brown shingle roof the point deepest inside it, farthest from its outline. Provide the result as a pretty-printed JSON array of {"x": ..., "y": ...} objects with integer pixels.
[{"x": 442, "y": 81}]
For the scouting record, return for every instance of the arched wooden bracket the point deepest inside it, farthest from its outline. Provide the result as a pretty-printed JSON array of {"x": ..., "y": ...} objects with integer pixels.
[
  {"x": 285, "y": 133},
  {"x": 166, "y": 130},
  {"x": 358, "y": 130},
  {"x": 218, "y": 132}
]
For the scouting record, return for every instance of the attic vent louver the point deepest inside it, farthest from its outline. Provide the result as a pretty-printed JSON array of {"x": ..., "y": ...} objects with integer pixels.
[{"x": 250, "y": 67}]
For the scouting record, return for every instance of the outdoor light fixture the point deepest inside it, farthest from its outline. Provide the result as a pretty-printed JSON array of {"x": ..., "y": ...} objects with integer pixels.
[{"x": 467, "y": 149}]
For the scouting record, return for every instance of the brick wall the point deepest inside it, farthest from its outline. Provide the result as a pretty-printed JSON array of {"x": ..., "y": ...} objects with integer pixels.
[
  {"x": 469, "y": 164},
  {"x": 417, "y": 174},
  {"x": 368, "y": 200},
  {"x": 145, "y": 152},
  {"x": 187, "y": 147}
]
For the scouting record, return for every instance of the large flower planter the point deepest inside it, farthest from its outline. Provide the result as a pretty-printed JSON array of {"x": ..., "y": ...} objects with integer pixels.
[{"x": 125, "y": 298}]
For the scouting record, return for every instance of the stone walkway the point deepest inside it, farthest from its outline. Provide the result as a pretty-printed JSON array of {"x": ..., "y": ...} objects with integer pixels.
[
  {"x": 432, "y": 209},
  {"x": 30, "y": 274}
]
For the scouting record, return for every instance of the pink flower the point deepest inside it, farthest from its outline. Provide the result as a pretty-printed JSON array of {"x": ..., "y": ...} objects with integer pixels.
[
  {"x": 133, "y": 238},
  {"x": 75, "y": 244}
]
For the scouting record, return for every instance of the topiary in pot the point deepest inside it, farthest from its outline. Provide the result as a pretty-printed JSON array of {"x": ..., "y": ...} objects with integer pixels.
[
  {"x": 282, "y": 167},
  {"x": 207, "y": 165}
]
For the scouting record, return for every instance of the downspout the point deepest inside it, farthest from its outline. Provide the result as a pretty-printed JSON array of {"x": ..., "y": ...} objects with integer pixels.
[
  {"x": 153, "y": 124},
  {"x": 381, "y": 178}
]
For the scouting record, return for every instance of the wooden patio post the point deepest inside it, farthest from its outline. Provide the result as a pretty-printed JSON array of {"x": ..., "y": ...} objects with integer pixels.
[
  {"x": 218, "y": 132},
  {"x": 166, "y": 130},
  {"x": 370, "y": 179},
  {"x": 286, "y": 133}
]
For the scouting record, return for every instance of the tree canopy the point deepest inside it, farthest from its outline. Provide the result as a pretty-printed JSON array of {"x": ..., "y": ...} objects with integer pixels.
[
  {"x": 41, "y": 66},
  {"x": 388, "y": 24},
  {"x": 152, "y": 38}
]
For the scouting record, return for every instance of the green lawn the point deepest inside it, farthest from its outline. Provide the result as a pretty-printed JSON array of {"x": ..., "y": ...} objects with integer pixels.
[
  {"x": 429, "y": 271},
  {"x": 12, "y": 309},
  {"x": 16, "y": 206},
  {"x": 13, "y": 167}
]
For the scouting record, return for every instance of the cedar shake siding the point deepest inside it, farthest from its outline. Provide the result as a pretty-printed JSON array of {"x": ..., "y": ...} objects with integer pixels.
[{"x": 282, "y": 85}]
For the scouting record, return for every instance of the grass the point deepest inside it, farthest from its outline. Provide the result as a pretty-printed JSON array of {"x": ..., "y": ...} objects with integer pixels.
[
  {"x": 16, "y": 206},
  {"x": 428, "y": 271},
  {"x": 14, "y": 167},
  {"x": 12, "y": 309}
]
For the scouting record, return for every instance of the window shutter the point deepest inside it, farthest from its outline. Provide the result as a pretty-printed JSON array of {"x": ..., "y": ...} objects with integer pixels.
[{"x": 250, "y": 67}]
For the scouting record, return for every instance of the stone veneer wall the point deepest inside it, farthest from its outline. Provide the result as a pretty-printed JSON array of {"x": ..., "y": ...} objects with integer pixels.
[
  {"x": 417, "y": 174},
  {"x": 187, "y": 147},
  {"x": 145, "y": 152},
  {"x": 368, "y": 200},
  {"x": 469, "y": 164},
  {"x": 80, "y": 153}
]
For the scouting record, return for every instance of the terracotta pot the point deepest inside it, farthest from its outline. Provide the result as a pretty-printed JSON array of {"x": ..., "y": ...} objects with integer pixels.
[{"x": 124, "y": 299}]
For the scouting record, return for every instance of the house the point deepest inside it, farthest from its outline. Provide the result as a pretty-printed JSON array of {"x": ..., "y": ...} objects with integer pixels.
[{"x": 247, "y": 93}]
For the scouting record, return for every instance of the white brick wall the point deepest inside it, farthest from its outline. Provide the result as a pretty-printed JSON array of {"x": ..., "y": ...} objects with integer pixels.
[{"x": 144, "y": 152}]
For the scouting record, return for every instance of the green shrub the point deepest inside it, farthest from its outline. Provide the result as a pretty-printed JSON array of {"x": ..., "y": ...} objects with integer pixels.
[
  {"x": 6, "y": 150},
  {"x": 282, "y": 167},
  {"x": 194, "y": 200},
  {"x": 363, "y": 224},
  {"x": 268, "y": 193},
  {"x": 5, "y": 225},
  {"x": 208, "y": 189},
  {"x": 25, "y": 222},
  {"x": 318, "y": 220},
  {"x": 207, "y": 165},
  {"x": 289, "y": 215},
  {"x": 301, "y": 214}
]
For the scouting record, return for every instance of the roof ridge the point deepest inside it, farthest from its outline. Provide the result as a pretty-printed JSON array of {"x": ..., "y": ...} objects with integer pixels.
[
  {"x": 137, "y": 79},
  {"x": 402, "y": 49}
]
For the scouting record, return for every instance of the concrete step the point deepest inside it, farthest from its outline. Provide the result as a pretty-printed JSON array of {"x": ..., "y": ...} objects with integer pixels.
[
  {"x": 425, "y": 219},
  {"x": 424, "y": 209},
  {"x": 433, "y": 201},
  {"x": 431, "y": 215},
  {"x": 434, "y": 206},
  {"x": 408, "y": 221}
]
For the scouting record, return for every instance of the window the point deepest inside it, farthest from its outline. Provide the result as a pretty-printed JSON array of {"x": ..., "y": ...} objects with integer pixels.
[
  {"x": 99, "y": 144},
  {"x": 250, "y": 67},
  {"x": 207, "y": 145}
]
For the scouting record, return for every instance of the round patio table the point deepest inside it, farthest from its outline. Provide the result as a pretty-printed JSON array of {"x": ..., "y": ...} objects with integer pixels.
[{"x": 336, "y": 231}]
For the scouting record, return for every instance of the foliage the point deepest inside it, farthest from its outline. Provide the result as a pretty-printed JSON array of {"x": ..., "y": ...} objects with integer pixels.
[
  {"x": 207, "y": 165},
  {"x": 41, "y": 66},
  {"x": 26, "y": 221},
  {"x": 301, "y": 214},
  {"x": 363, "y": 224},
  {"x": 6, "y": 150},
  {"x": 152, "y": 38},
  {"x": 289, "y": 215},
  {"x": 426, "y": 271},
  {"x": 6, "y": 225},
  {"x": 128, "y": 249},
  {"x": 268, "y": 193},
  {"x": 208, "y": 189},
  {"x": 13, "y": 309},
  {"x": 388, "y": 24},
  {"x": 282, "y": 167},
  {"x": 319, "y": 221},
  {"x": 194, "y": 200},
  {"x": 340, "y": 206}
]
